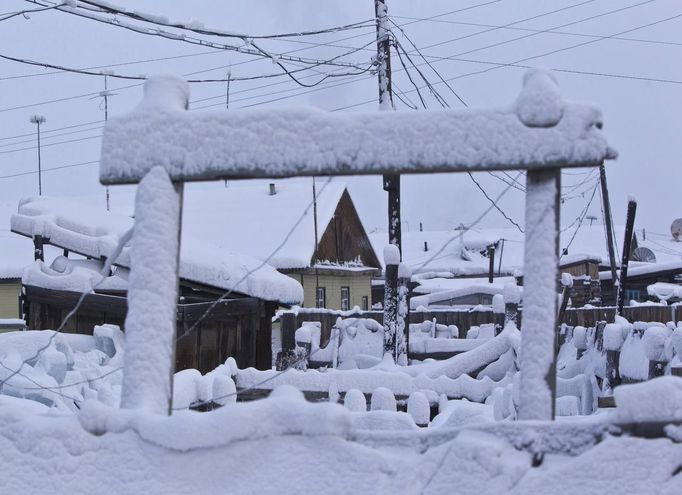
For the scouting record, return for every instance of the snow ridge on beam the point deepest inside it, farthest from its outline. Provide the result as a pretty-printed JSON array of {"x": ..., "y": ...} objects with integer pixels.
[{"x": 539, "y": 130}]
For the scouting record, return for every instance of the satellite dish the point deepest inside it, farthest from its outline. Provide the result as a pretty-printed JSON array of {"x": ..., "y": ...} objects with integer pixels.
[
  {"x": 676, "y": 229},
  {"x": 643, "y": 254}
]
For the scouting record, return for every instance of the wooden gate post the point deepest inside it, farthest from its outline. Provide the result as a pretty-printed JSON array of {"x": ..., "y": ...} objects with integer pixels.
[
  {"x": 149, "y": 361},
  {"x": 541, "y": 268}
]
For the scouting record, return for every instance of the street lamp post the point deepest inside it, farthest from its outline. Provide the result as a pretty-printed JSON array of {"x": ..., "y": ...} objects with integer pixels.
[{"x": 38, "y": 119}]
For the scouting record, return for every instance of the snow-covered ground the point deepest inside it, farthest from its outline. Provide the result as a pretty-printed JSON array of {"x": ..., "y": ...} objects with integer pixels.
[{"x": 282, "y": 444}]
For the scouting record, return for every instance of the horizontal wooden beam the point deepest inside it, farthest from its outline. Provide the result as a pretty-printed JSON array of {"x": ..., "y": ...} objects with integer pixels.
[{"x": 538, "y": 131}]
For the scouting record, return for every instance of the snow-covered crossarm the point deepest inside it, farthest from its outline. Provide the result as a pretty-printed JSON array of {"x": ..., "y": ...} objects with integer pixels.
[{"x": 539, "y": 130}]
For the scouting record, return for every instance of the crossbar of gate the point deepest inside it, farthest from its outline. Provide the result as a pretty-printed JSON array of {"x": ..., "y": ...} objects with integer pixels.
[{"x": 538, "y": 133}]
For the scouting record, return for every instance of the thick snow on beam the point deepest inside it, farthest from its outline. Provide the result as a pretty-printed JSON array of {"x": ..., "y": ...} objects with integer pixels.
[{"x": 538, "y": 130}]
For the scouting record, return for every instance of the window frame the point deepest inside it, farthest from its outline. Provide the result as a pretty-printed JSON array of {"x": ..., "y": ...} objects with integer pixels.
[
  {"x": 345, "y": 288},
  {"x": 321, "y": 296}
]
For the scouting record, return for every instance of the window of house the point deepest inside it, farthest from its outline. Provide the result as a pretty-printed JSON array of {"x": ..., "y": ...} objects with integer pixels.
[
  {"x": 321, "y": 297},
  {"x": 632, "y": 295},
  {"x": 345, "y": 298},
  {"x": 365, "y": 303}
]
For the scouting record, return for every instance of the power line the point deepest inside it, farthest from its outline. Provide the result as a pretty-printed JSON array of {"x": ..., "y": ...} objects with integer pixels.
[
  {"x": 49, "y": 169},
  {"x": 432, "y": 57},
  {"x": 255, "y": 51},
  {"x": 581, "y": 216},
  {"x": 493, "y": 202},
  {"x": 50, "y": 137},
  {"x": 193, "y": 27},
  {"x": 471, "y": 7},
  {"x": 515, "y": 63},
  {"x": 539, "y": 31},
  {"x": 9, "y": 15},
  {"x": 53, "y": 130},
  {"x": 51, "y": 144}
]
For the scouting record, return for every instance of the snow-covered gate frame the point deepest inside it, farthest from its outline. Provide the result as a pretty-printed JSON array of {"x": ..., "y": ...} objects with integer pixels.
[{"x": 538, "y": 133}]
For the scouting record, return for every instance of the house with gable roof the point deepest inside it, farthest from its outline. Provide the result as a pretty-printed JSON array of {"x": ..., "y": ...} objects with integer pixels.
[{"x": 275, "y": 222}]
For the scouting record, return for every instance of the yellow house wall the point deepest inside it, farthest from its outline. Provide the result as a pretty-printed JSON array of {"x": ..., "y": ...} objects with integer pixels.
[
  {"x": 358, "y": 283},
  {"x": 9, "y": 299}
]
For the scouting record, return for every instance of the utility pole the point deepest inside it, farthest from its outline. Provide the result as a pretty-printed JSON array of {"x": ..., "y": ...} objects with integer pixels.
[
  {"x": 627, "y": 243},
  {"x": 391, "y": 181},
  {"x": 105, "y": 94},
  {"x": 317, "y": 241},
  {"x": 39, "y": 119},
  {"x": 609, "y": 226},
  {"x": 394, "y": 322}
]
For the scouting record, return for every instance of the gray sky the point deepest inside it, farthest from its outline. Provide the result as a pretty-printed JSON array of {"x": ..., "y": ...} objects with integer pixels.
[{"x": 641, "y": 116}]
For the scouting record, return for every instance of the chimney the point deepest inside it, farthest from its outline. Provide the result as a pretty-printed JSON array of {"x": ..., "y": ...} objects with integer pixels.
[
  {"x": 426, "y": 246},
  {"x": 273, "y": 191}
]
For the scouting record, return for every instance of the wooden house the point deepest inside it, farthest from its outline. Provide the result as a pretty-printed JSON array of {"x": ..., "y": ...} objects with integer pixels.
[
  {"x": 239, "y": 325},
  {"x": 327, "y": 251}
]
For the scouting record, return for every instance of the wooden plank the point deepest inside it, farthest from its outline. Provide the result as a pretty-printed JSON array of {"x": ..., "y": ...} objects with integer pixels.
[
  {"x": 225, "y": 308},
  {"x": 68, "y": 299},
  {"x": 606, "y": 401}
]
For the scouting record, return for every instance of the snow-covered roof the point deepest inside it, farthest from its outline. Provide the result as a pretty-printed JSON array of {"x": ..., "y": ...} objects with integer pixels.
[
  {"x": 95, "y": 233},
  {"x": 461, "y": 252},
  {"x": 16, "y": 252},
  {"x": 245, "y": 218},
  {"x": 462, "y": 257},
  {"x": 640, "y": 269},
  {"x": 538, "y": 130}
]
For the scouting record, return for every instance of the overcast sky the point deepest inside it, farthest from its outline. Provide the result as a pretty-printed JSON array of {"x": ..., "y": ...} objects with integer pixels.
[{"x": 634, "y": 76}]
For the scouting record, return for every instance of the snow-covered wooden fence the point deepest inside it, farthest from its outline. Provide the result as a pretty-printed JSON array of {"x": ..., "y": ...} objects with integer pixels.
[{"x": 539, "y": 133}]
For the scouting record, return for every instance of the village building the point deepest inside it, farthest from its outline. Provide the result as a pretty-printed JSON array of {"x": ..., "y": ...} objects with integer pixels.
[
  {"x": 226, "y": 301},
  {"x": 466, "y": 268},
  {"x": 335, "y": 262}
]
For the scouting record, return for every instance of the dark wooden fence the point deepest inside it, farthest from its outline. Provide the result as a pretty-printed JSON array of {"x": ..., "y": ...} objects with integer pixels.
[{"x": 239, "y": 328}]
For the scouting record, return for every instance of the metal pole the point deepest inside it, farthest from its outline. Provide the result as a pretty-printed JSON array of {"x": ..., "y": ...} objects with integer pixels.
[
  {"x": 609, "y": 226},
  {"x": 40, "y": 170},
  {"x": 627, "y": 243},
  {"x": 106, "y": 117},
  {"x": 38, "y": 119}
]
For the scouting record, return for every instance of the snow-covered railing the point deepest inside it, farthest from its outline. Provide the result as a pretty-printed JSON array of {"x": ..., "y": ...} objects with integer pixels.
[{"x": 539, "y": 133}]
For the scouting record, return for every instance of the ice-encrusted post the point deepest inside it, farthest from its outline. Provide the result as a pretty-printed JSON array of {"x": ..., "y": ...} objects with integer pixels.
[
  {"x": 540, "y": 271},
  {"x": 391, "y": 261},
  {"x": 402, "y": 329},
  {"x": 152, "y": 296},
  {"x": 512, "y": 298},
  {"x": 614, "y": 336},
  {"x": 540, "y": 105}
]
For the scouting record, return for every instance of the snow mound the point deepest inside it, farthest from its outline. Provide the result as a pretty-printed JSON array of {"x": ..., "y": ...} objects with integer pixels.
[{"x": 655, "y": 400}]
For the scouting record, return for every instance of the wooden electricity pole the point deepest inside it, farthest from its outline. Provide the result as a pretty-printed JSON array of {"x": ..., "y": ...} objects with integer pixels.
[
  {"x": 627, "y": 243},
  {"x": 391, "y": 186},
  {"x": 391, "y": 181},
  {"x": 609, "y": 226}
]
